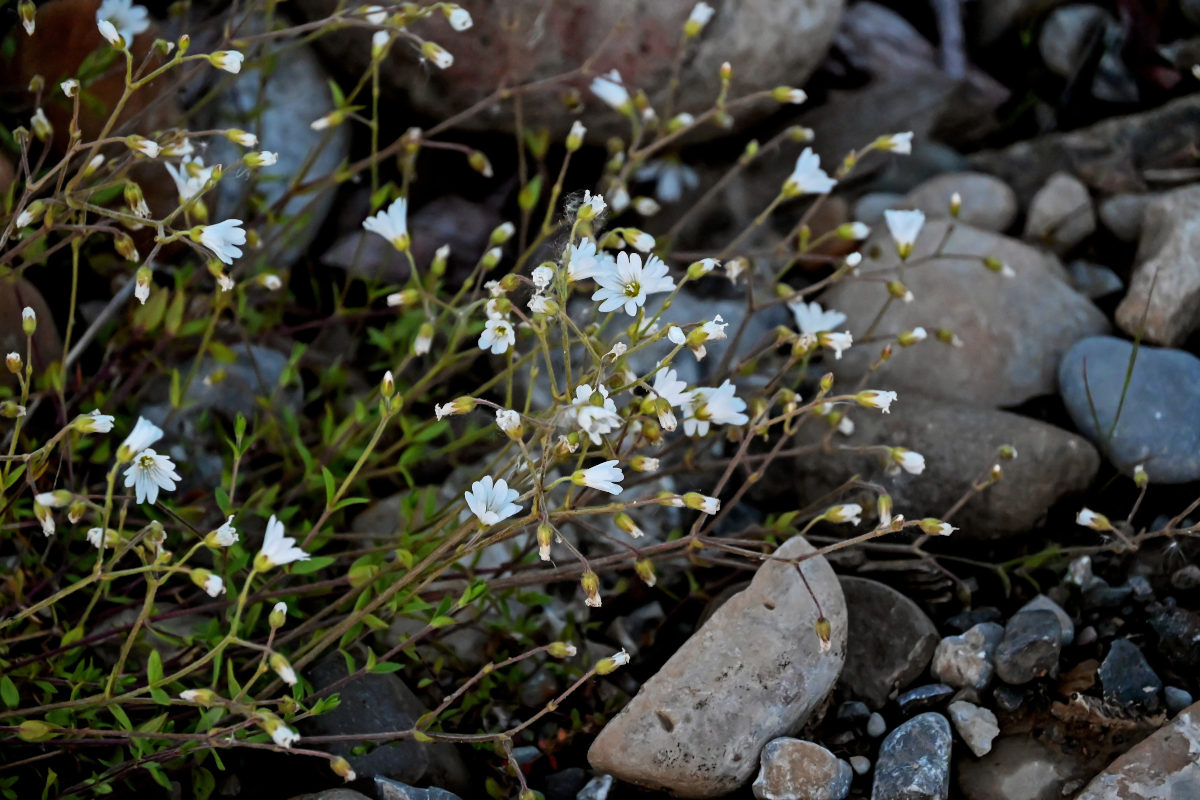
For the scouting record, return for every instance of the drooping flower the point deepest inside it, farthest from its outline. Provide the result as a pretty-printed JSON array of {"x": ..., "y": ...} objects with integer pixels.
[
  {"x": 908, "y": 460},
  {"x": 497, "y": 336},
  {"x": 225, "y": 535},
  {"x": 876, "y": 398},
  {"x": 671, "y": 178},
  {"x": 123, "y": 18},
  {"x": 896, "y": 143},
  {"x": 94, "y": 422},
  {"x": 585, "y": 261},
  {"x": 223, "y": 239},
  {"x": 707, "y": 406},
  {"x": 228, "y": 60},
  {"x": 508, "y": 420},
  {"x": 629, "y": 283},
  {"x": 904, "y": 226},
  {"x": 595, "y": 418},
  {"x": 277, "y": 548},
  {"x": 807, "y": 176},
  {"x": 491, "y": 501},
  {"x": 391, "y": 224},
  {"x": 812, "y": 319},
  {"x": 542, "y": 277},
  {"x": 144, "y": 434},
  {"x": 611, "y": 90},
  {"x": 191, "y": 177},
  {"x": 1093, "y": 519},
  {"x": 149, "y": 472},
  {"x": 282, "y": 668},
  {"x": 459, "y": 17},
  {"x": 603, "y": 476}
]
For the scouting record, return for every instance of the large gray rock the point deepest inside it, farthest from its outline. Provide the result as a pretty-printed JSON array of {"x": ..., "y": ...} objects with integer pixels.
[
  {"x": 1162, "y": 767},
  {"x": 1014, "y": 330},
  {"x": 959, "y": 444},
  {"x": 987, "y": 202},
  {"x": 889, "y": 643},
  {"x": 768, "y": 42},
  {"x": 754, "y": 671},
  {"x": 914, "y": 761},
  {"x": 1164, "y": 293},
  {"x": 1061, "y": 214},
  {"x": 793, "y": 769},
  {"x": 1158, "y": 426}
]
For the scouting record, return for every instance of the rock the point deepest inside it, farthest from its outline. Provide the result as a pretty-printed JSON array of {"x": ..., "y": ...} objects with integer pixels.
[
  {"x": 889, "y": 641},
  {"x": 987, "y": 202},
  {"x": 375, "y": 704},
  {"x": 1008, "y": 698},
  {"x": 333, "y": 794},
  {"x": 1044, "y": 603},
  {"x": 754, "y": 671},
  {"x": 977, "y": 726},
  {"x": 1030, "y": 648},
  {"x": 1112, "y": 157},
  {"x": 1162, "y": 767},
  {"x": 387, "y": 789},
  {"x": 876, "y": 725},
  {"x": 769, "y": 43},
  {"x": 959, "y": 443},
  {"x": 853, "y": 712},
  {"x": 1128, "y": 680},
  {"x": 1177, "y": 699},
  {"x": 870, "y": 207},
  {"x": 1178, "y": 634},
  {"x": 793, "y": 769},
  {"x": 1186, "y": 577},
  {"x": 234, "y": 388},
  {"x": 1061, "y": 214},
  {"x": 1157, "y": 427},
  {"x": 1122, "y": 214},
  {"x": 1094, "y": 281},
  {"x": 860, "y": 764},
  {"x": 1019, "y": 768},
  {"x": 1013, "y": 330},
  {"x": 965, "y": 662},
  {"x": 1164, "y": 292},
  {"x": 923, "y": 698},
  {"x": 564, "y": 784},
  {"x": 278, "y": 106},
  {"x": 1068, "y": 35},
  {"x": 597, "y": 788},
  {"x": 997, "y": 17},
  {"x": 914, "y": 761}
]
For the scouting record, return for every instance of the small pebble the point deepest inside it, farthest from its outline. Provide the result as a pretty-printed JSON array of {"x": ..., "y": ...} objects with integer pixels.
[
  {"x": 1186, "y": 578},
  {"x": 924, "y": 697},
  {"x": 1143, "y": 592},
  {"x": 977, "y": 726},
  {"x": 1177, "y": 699},
  {"x": 1128, "y": 679},
  {"x": 597, "y": 788},
  {"x": 1008, "y": 698},
  {"x": 853, "y": 712},
  {"x": 876, "y": 726},
  {"x": 1086, "y": 636},
  {"x": 860, "y": 764}
]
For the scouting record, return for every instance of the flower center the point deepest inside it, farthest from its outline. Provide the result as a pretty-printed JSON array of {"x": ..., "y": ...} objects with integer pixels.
[
  {"x": 633, "y": 289},
  {"x": 146, "y": 462}
]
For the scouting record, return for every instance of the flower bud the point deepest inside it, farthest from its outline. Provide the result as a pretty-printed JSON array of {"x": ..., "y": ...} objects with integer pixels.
[
  {"x": 590, "y": 582},
  {"x": 262, "y": 159},
  {"x": 479, "y": 162},
  {"x": 909, "y": 338},
  {"x": 626, "y": 524},
  {"x": 278, "y": 615},
  {"x": 441, "y": 58},
  {"x": 42, "y": 128},
  {"x": 502, "y": 233},
  {"x": 848, "y": 512},
  {"x": 1140, "y": 478},
  {"x": 701, "y": 14},
  {"x": 491, "y": 258},
  {"x": 228, "y": 60},
  {"x": 561, "y": 649},
  {"x": 645, "y": 570},
  {"x": 123, "y": 243},
  {"x": 13, "y": 362},
  {"x": 824, "y": 633},
  {"x": 701, "y": 502},
  {"x": 28, "y": 321},
  {"x": 136, "y": 200},
  {"x": 342, "y": 768},
  {"x": 1007, "y": 452},
  {"x": 575, "y": 136},
  {"x": 610, "y": 664},
  {"x": 545, "y": 537},
  {"x": 947, "y": 336},
  {"x": 282, "y": 668},
  {"x": 403, "y": 299},
  {"x": 387, "y": 386},
  {"x": 786, "y": 94},
  {"x": 201, "y": 697},
  {"x": 76, "y": 510},
  {"x": 899, "y": 291},
  {"x": 27, "y": 11},
  {"x": 935, "y": 527},
  {"x": 883, "y": 509},
  {"x": 955, "y": 204},
  {"x": 142, "y": 145},
  {"x": 826, "y": 384},
  {"x": 243, "y": 138},
  {"x": 460, "y": 405}
]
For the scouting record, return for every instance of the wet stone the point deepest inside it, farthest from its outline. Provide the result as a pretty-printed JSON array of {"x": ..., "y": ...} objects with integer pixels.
[
  {"x": 1030, "y": 648},
  {"x": 914, "y": 761}
]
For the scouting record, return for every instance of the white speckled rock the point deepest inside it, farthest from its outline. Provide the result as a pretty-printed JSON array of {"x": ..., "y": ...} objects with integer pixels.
[
  {"x": 1165, "y": 766},
  {"x": 753, "y": 672}
]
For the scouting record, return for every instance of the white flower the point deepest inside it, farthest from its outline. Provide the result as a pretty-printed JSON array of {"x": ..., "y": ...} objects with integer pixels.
[
  {"x": 837, "y": 342},
  {"x": 225, "y": 282},
  {"x": 123, "y": 18},
  {"x": 904, "y": 226},
  {"x": 897, "y": 143},
  {"x": 807, "y": 177},
  {"x": 95, "y": 422},
  {"x": 859, "y": 230},
  {"x": 149, "y": 472},
  {"x": 144, "y": 434},
  {"x": 440, "y": 56},
  {"x": 621, "y": 658},
  {"x": 850, "y": 512},
  {"x": 876, "y": 398},
  {"x": 907, "y": 460},
  {"x": 812, "y": 319},
  {"x": 707, "y": 406},
  {"x": 668, "y": 386},
  {"x": 284, "y": 736},
  {"x": 423, "y": 341},
  {"x": 191, "y": 177},
  {"x": 715, "y": 330},
  {"x": 223, "y": 239},
  {"x": 271, "y": 282},
  {"x": 391, "y": 224},
  {"x": 492, "y": 501},
  {"x": 277, "y": 548},
  {"x": 379, "y": 43},
  {"x": 611, "y": 90},
  {"x": 266, "y": 158},
  {"x": 497, "y": 336},
  {"x": 140, "y": 144},
  {"x": 214, "y": 585},
  {"x": 109, "y": 32},
  {"x": 639, "y": 240},
  {"x": 141, "y": 288},
  {"x": 244, "y": 138},
  {"x": 584, "y": 261},
  {"x": 1092, "y": 519},
  {"x": 595, "y": 419},
  {"x": 629, "y": 282},
  {"x": 228, "y": 60},
  {"x": 376, "y": 15},
  {"x": 594, "y": 203},
  {"x": 459, "y": 17},
  {"x": 97, "y": 538},
  {"x": 539, "y": 303},
  {"x": 225, "y": 535},
  {"x": 603, "y": 477},
  {"x": 507, "y": 420},
  {"x": 676, "y": 335},
  {"x": 701, "y": 14},
  {"x": 70, "y": 87},
  {"x": 672, "y": 177},
  {"x": 282, "y": 668},
  {"x": 542, "y": 277}
]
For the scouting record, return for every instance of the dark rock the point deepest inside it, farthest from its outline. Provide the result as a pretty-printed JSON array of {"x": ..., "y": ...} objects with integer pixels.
[
  {"x": 1162, "y": 767},
  {"x": 965, "y": 620},
  {"x": 793, "y": 769},
  {"x": 1086, "y": 636},
  {"x": 889, "y": 642},
  {"x": 1127, "y": 679},
  {"x": 914, "y": 761},
  {"x": 1186, "y": 578},
  {"x": 966, "y": 661},
  {"x": 375, "y": 704},
  {"x": 924, "y": 697},
  {"x": 1157, "y": 427},
  {"x": 388, "y": 789},
  {"x": 1030, "y": 648},
  {"x": 1178, "y": 634},
  {"x": 1008, "y": 698},
  {"x": 1014, "y": 330},
  {"x": 564, "y": 784},
  {"x": 853, "y": 712},
  {"x": 1044, "y": 603},
  {"x": 959, "y": 444},
  {"x": 1101, "y": 595},
  {"x": 1019, "y": 767},
  {"x": 1177, "y": 699}
]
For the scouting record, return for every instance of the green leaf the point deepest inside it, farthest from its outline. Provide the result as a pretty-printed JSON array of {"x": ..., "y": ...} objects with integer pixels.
[
  {"x": 176, "y": 389},
  {"x": 239, "y": 429},
  {"x": 203, "y": 783},
  {"x": 12, "y": 477},
  {"x": 350, "y": 501},
  {"x": 9, "y": 693},
  {"x": 154, "y": 668},
  {"x": 330, "y": 486},
  {"x": 441, "y": 622},
  {"x": 174, "y": 316},
  {"x": 121, "y": 717},
  {"x": 385, "y": 667},
  {"x": 312, "y": 565}
]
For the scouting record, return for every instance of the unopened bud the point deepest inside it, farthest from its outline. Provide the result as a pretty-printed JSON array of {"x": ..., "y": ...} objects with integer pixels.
[
  {"x": 278, "y": 615},
  {"x": 561, "y": 650},
  {"x": 955, "y": 204},
  {"x": 645, "y": 570},
  {"x": 610, "y": 664},
  {"x": 342, "y": 768},
  {"x": 786, "y": 94},
  {"x": 479, "y": 162},
  {"x": 1140, "y": 478},
  {"x": 27, "y": 11},
  {"x": 590, "y": 582},
  {"x": 899, "y": 291},
  {"x": 387, "y": 387},
  {"x": 935, "y": 527},
  {"x": 491, "y": 258},
  {"x": 701, "y": 502},
  {"x": 502, "y": 233},
  {"x": 626, "y": 524},
  {"x": 883, "y": 509},
  {"x": 123, "y": 243},
  {"x": 545, "y": 537},
  {"x": 28, "y": 321},
  {"x": 824, "y": 633},
  {"x": 13, "y": 362},
  {"x": 575, "y": 136},
  {"x": 1007, "y": 452},
  {"x": 136, "y": 200}
]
